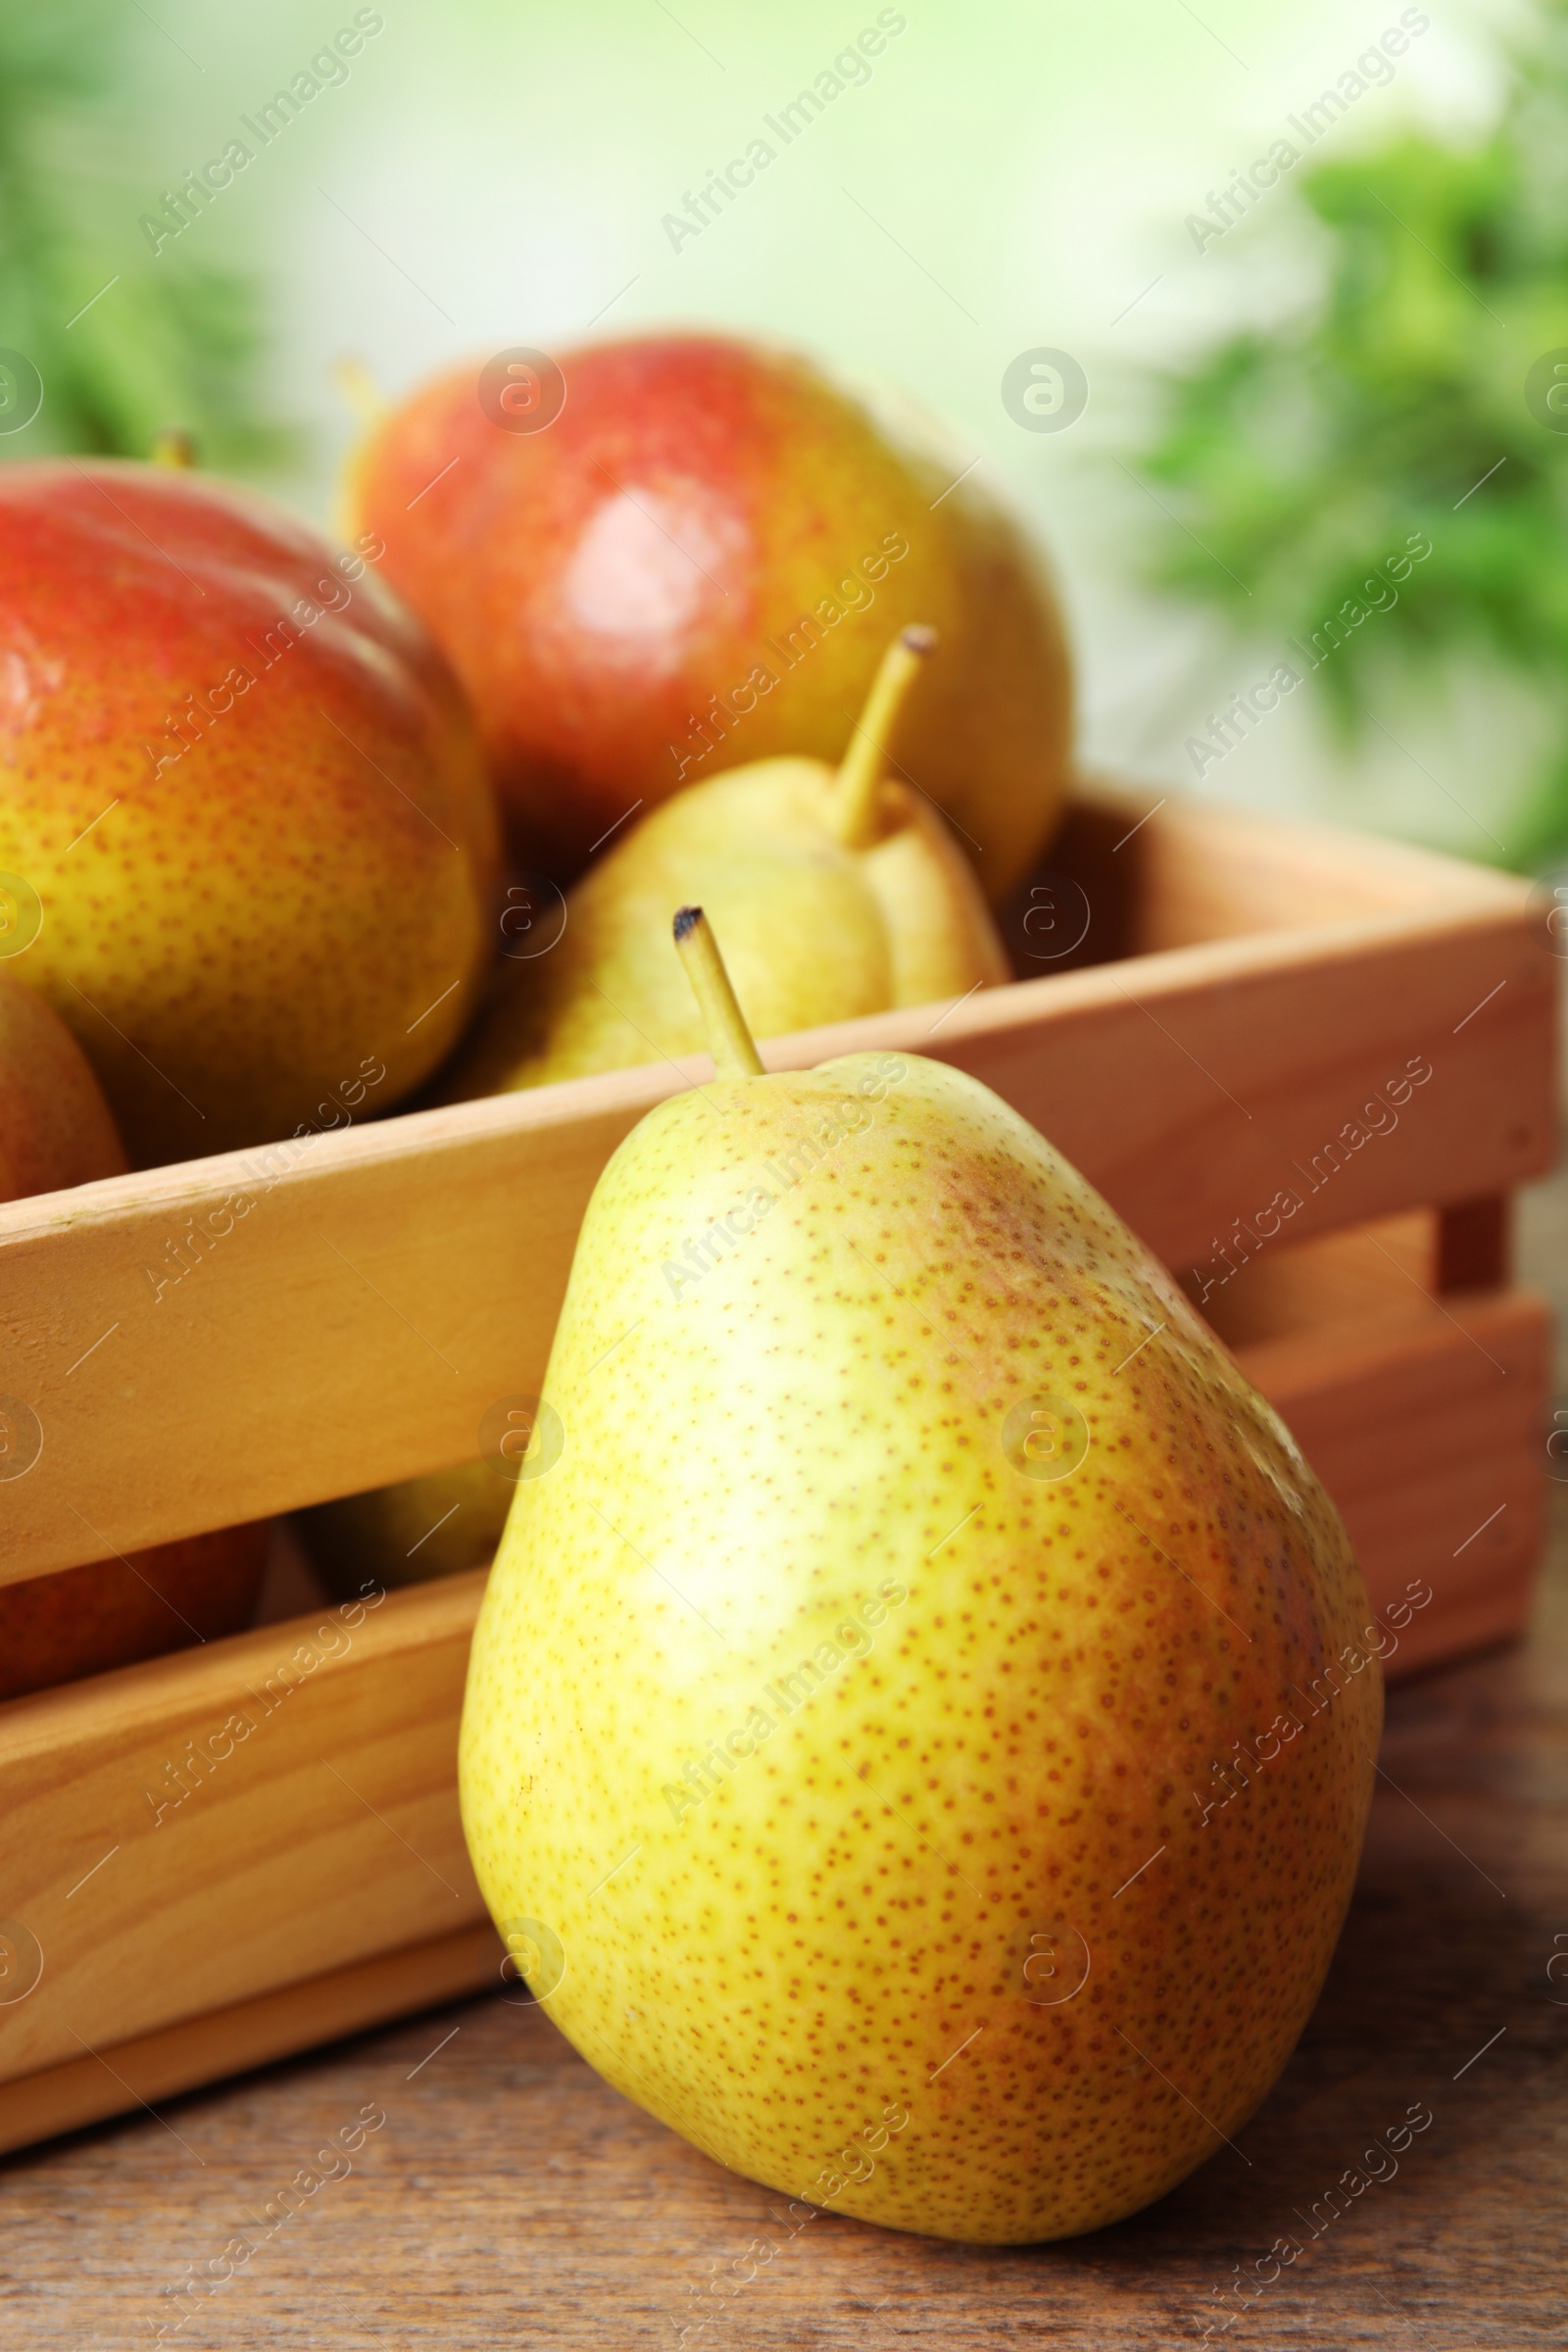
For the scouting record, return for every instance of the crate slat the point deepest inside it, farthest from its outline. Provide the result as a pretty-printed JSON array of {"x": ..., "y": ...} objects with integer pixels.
[
  {"x": 1424, "y": 1428},
  {"x": 229, "y": 2042},
  {"x": 328, "y": 1835}
]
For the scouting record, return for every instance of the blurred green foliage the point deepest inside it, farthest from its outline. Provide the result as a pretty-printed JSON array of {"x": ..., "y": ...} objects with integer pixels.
[
  {"x": 174, "y": 342},
  {"x": 1301, "y": 457}
]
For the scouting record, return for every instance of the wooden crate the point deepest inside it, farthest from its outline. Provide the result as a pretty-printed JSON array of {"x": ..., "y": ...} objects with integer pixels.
[{"x": 354, "y": 1303}]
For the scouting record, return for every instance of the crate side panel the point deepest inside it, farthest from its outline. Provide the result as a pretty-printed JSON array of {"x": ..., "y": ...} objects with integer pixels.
[
  {"x": 1429, "y": 1439},
  {"x": 353, "y": 1319},
  {"x": 225, "y": 2042},
  {"x": 324, "y": 1833}
]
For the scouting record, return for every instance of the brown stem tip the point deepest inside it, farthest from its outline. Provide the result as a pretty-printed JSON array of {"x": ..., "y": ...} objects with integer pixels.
[{"x": 729, "y": 1041}]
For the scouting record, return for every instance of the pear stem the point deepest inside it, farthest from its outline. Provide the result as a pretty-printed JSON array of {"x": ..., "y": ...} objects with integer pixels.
[
  {"x": 361, "y": 390},
  {"x": 173, "y": 446},
  {"x": 860, "y": 776},
  {"x": 729, "y": 1041}
]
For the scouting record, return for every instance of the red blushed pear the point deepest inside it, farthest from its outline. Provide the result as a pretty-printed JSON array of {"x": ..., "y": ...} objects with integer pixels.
[
  {"x": 697, "y": 562},
  {"x": 242, "y": 810},
  {"x": 56, "y": 1132},
  {"x": 81, "y": 1621}
]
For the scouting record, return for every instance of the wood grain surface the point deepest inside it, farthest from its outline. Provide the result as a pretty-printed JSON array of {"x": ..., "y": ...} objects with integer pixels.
[
  {"x": 510, "y": 2199},
  {"x": 167, "y": 1860}
]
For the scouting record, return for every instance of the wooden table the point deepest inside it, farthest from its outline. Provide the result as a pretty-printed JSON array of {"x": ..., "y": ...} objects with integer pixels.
[{"x": 510, "y": 2199}]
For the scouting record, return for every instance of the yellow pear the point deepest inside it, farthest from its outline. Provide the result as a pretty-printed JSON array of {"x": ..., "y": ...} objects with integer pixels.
[
  {"x": 842, "y": 891},
  {"x": 405, "y": 1533},
  {"x": 920, "y": 1728}
]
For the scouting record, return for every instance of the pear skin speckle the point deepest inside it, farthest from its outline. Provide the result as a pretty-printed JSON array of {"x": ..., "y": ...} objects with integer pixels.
[{"x": 919, "y": 1734}]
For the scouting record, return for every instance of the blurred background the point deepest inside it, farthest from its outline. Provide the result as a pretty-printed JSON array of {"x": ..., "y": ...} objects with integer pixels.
[{"x": 1292, "y": 376}]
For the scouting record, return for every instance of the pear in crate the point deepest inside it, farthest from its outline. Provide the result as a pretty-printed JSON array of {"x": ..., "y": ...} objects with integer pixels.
[
  {"x": 56, "y": 1132},
  {"x": 241, "y": 802},
  {"x": 842, "y": 891},
  {"x": 405, "y": 1533},
  {"x": 56, "y": 1129},
  {"x": 855, "y": 1687},
  {"x": 81, "y": 1621},
  {"x": 670, "y": 537}
]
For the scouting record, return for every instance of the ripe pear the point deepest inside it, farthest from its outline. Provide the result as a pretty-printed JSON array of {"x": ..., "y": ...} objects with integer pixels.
[
  {"x": 858, "y": 1684},
  {"x": 437, "y": 1525},
  {"x": 56, "y": 1129},
  {"x": 81, "y": 1621},
  {"x": 242, "y": 808},
  {"x": 842, "y": 891},
  {"x": 671, "y": 540},
  {"x": 56, "y": 1132}
]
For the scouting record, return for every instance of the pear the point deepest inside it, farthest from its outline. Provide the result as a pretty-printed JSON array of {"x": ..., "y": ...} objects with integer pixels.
[
  {"x": 243, "y": 801},
  {"x": 844, "y": 890},
  {"x": 142, "y": 1604},
  {"x": 710, "y": 526},
  {"x": 56, "y": 1130},
  {"x": 920, "y": 1727},
  {"x": 437, "y": 1525}
]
